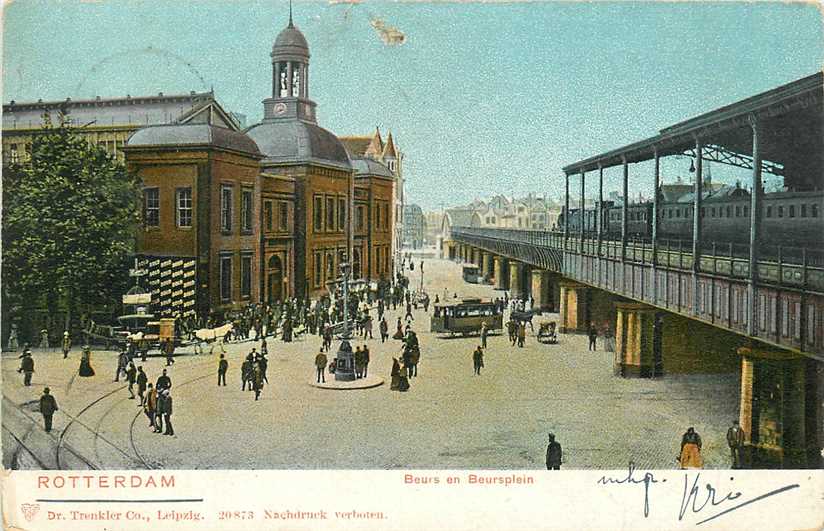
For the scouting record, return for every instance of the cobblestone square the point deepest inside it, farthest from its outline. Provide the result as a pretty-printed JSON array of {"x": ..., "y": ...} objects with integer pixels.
[{"x": 448, "y": 419}]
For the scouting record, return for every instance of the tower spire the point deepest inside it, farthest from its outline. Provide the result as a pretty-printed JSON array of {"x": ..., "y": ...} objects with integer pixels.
[{"x": 291, "y": 25}]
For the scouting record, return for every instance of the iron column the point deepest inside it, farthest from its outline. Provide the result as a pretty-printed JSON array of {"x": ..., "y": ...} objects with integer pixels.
[
  {"x": 581, "y": 211},
  {"x": 696, "y": 222},
  {"x": 755, "y": 223},
  {"x": 625, "y": 212}
]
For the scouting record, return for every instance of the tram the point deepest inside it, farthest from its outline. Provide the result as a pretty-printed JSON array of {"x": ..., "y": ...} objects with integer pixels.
[
  {"x": 465, "y": 317},
  {"x": 471, "y": 273}
]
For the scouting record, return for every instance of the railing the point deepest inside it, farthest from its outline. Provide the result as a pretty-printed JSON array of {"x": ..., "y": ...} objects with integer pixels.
[{"x": 777, "y": 264}]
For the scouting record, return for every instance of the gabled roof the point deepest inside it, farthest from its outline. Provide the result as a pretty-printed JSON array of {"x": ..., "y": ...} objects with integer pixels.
[
  {"x": 389, "y": 148},
  {"x": 364, "y": 146},
  {"x": 209, "y": 112}
]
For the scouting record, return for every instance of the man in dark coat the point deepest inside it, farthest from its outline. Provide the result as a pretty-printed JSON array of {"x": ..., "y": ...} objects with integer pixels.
[
  {"x": 48, "y": 405},
  {"x": 131, "y": 377},
  {"x": 222, "y": 367},
  {"x": 169, "y": 349},
  {"x": 592, "y": 332},
  {"x": 553, "y": 454},
  {"x": 26, "y": 367},
  {"x": 246, "y": 373},
  {"x": 478, "y": 360},
  {"x": 122, "y": 362},
  {"x": 264, "y": 365},
  {"x": 365, "y": 361},
  {"x": 735, "y": 440},
  {"x": 142, "y": 380},
  {"x": 384, "y": 328},
  {"x": 164, "y": 408},
  {"x": 164, "y": 382},
  {"x": 320, "y": 366}
]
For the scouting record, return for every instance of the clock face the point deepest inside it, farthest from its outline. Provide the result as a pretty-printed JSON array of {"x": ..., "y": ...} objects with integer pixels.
[{"x": 280, "y": 108}]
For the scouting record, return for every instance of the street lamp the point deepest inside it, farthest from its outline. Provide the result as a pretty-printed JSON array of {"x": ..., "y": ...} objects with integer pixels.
[{"x": 345, "y": 365}]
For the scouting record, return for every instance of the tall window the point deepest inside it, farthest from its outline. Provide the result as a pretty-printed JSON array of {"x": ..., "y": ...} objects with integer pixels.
[
  {"x": 377, "y": 215},
  {"x": 360, "y": 217},
  {"x": 295, "y": 79},
  {"x": 184, "y": 207},
  {"x": 386, "y": 217},
  {"x": 226, "y": 208},
  {"x": 151, "y": 204},
  {"x": 246, "y": 276},
  {"x": 814, "y": 210},
  {"x": 330, "y": 266},
  {"x": 318, "y": 269},
  {"x": 246, "y": 210},
  {"x": 318, "y": 213},
  {"x": 342, "y": 214},
  {"x": 14, "y": 156},
  {"x": 225, "y": 278},
  {"x": 267, "y": 215},
  {"x": 792, "y": 211},
  {"x": 330, "y": 214},
  {"x": 283, "y": 216}
]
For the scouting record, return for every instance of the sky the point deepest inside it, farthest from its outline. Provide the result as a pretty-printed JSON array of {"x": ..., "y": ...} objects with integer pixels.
[{"x": 483, "y": 98}]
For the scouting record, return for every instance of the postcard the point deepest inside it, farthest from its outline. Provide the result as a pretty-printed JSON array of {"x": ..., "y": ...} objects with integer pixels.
[{"x": 360, "y": 264}]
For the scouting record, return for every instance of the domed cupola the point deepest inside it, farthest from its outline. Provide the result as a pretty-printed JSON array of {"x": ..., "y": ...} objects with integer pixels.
[{"x": 290, "y": 76}]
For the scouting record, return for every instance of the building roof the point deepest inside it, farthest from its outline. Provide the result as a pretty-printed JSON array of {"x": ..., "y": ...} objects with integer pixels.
[
  {"x": 356, "y": 145},
  {"x": 458, "y": 217},
  {"x": 298, "y": 142},
  {"x": 290, "y": 44},
  {"x": 364, "y": 167},
  {"x": 183, "y": 135},
  {"x": 389, "y": 148}
]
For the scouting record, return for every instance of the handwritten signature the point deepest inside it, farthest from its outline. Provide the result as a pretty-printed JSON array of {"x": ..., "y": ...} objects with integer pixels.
[
  {"x": 698, "y": 498},
  {"x": 695, "y": 498},
  {"x": 647, "y": 480}
]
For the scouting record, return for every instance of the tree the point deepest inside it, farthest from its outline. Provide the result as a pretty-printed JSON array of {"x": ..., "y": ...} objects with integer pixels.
[{"x": 69, "y": 220}]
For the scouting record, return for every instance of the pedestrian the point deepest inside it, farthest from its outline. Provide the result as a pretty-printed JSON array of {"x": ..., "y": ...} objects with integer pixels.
[
  {"x": 122, "y": 362},
  {"x": 86, "y": 369},
  {"x": 399, "y": 331},
  {"x": 408, "y": 316},
  {"x": 484, "y": 333},
  {"x": 263, "y": 362},
  {"x": 246, "y": 373},
  {"x": 48, "y": 405},
  {"x": 690, "y": 457},
  {"x": 163, "y": 382},
  {"x": 150, "y": 407},
  {"x": 366, "y": 359},
  {"x": 222, "y": 367},
  {"x": 367, "y": 327},
  {"x": 521, "y": 334},
  {"x": 26, "y": 367},
  {"x": 592, "y": 332},
  {"x": 735, "y": 440},
  {"x": 67, "y": 344},
  {"x": 358, "y": 362},
  {"x": 320, "y": 365},
  {"x": 142, "y": 380},
  {"x": 327, "y": 337},
  {"x": 13, "y": 341},
  {"x": 554, "y": 454},
  {"x": 165, "y": 409},
  {"x": 44, "y": 339},
  {"x": 170, "y": 351},
  {"x": 257, "y": 379},
  {"x": 384, "y": 329},
  {"x": 512, "y": 330},
  {"x": 131, "y": 377},
  {"x": 478, "y": 360}
]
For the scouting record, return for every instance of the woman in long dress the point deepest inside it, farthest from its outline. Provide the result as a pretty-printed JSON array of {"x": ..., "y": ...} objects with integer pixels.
[
  {"x": 86, "y": 369},
  {"x": 396, "y": 375},
  {"x": 399, "y": 331},
  {"x": 691, "y": 450}
]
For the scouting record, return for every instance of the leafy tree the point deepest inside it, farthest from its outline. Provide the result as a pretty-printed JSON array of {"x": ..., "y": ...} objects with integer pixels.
[{"x": 69, "y": 220}]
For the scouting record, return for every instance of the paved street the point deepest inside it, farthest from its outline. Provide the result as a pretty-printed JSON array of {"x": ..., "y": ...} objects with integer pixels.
[{"x": 448, "y": 419}]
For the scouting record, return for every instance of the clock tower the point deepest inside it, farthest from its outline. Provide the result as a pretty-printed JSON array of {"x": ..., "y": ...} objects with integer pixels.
[{"x": 290, "y": 78}]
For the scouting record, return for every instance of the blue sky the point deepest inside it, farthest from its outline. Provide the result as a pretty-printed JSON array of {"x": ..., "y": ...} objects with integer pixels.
[{"x": 483, "y": 98}]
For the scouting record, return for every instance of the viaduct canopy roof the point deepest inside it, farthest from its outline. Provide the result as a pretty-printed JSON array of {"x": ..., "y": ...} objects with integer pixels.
[{"x": 789, "y": 122}]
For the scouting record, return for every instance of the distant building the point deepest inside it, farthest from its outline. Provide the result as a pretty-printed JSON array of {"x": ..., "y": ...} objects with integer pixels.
[
  {"x": 108, "y": 122},
  {"x": 414, "y": 227}
]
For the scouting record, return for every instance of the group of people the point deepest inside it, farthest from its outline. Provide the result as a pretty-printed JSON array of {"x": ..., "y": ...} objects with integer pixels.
[{"x": 252, "y": 371}]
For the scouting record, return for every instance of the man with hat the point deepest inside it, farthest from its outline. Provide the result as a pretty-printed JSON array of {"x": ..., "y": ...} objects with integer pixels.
[
  {"x": 26, "y": 367},
  {"x": 48, "y": 405},
  {"x": 320, "y": 365}
]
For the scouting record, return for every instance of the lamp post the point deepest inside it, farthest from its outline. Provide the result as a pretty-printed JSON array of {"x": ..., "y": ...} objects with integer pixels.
[{"x": 345, "y": 365}]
